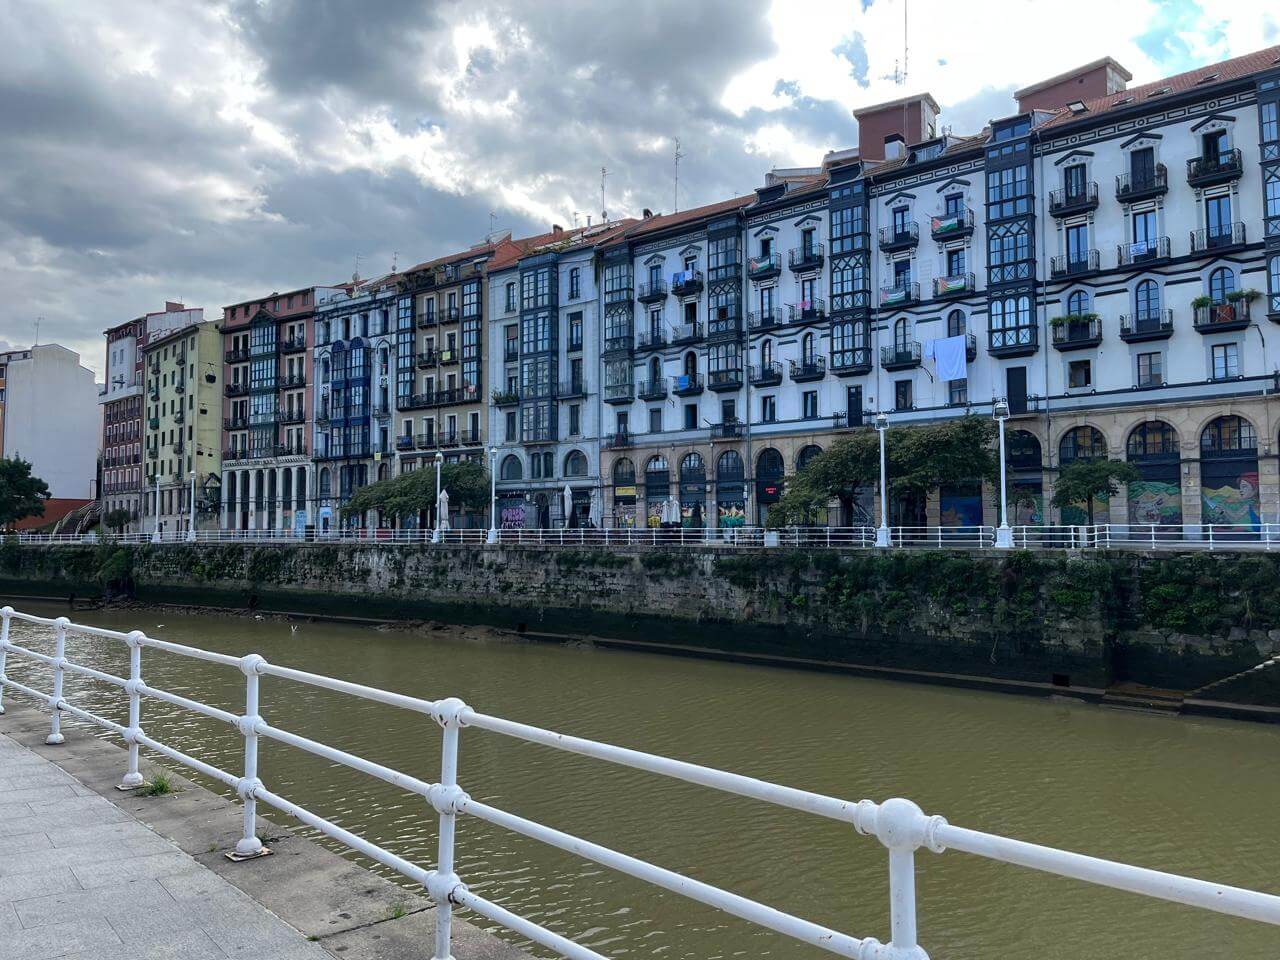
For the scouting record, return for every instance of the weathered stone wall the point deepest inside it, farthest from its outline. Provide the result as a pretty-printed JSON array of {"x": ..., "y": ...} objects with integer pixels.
[{"x": 1022, "y": 618}]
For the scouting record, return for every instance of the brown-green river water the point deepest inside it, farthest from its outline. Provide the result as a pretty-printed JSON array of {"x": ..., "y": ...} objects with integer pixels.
[{"x": 1200, "y": 797}]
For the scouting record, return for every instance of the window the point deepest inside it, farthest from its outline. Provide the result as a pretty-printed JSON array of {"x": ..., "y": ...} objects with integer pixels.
[
  {"x": 1155, "y": 438},
  {"x": 769, "y": 409},
  {"x": 511, "y": 468},
  {"x": 1007, "y": 192},
  {"x": 958, "y": 392},
  {"x": 955, "y": 324},
  {"x": 575, "y": 419},
  {"x": 1082, "y": 443},
  {"x": 1268, "y": 120},
  {"x": 655, "y": 420},
  {"x": 1147, "y": 301},
  {"x": 1226, "y": 361},
  {"x": 809, "y": 404},
  {"x": 1077, "y": 304},
  {"x": 1079, "y": 374},
  {"x": 1221, "y": 282},
  {"x": 1150, "y": 370},
  {"x": 575, "y": 330},
  {"x": 901, "y": 335},
  {"x": 1217, "y": 218},
  {"x": 1273, "y": 282},
  {"x": 511, "y": 298},
  {"x": 902, "y": 395},
  {"x": 575, "y": 464},
  {"x": 575, "y": 283},
  {"x": 1271, "y": 188},
  {"x": 691, "y": 416},
  {"x": 1214, "y": 143},
  {"x": 1078, "y": 245},
  {"x": 511, "y": 433},
  {"x": 899, "y": 221},
  {"x": 1228, "y": 435},
  {"x": 766, "y": 248},
  {"x": 953, "y": 205},
  {"x": 956, "y": 262},
  {"x": 1073, "y": 181}
]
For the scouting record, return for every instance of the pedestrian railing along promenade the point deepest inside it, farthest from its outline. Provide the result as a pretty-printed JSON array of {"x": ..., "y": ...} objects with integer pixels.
[
  {"x": 899, "y": 825},
  {"x": 1104, "y": 536}
]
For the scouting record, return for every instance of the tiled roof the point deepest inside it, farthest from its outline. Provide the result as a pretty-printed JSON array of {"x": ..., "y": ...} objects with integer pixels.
[
  {"x": 669, "y": 220},
  {"x": 1202, "y": 77}
]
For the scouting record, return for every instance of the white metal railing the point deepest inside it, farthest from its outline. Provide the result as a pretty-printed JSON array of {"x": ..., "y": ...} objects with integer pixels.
[{"x": 898, "y": 824}]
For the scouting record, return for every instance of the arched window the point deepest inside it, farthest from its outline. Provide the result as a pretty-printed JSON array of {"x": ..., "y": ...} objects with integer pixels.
[
  {"x": 511, "y": 468},
  {"x": 1221, "y": 282},
  {"x": 1078, "y": 304},
  {"x": 624, "y": 472},
  {"x": 955, "y": 323},
  {"x": 690, "y": 364},
  {"x": 806, "y": 348},
  {"x": 729, "y": 467},
  {"x": 1082, "y": 443},
  {"x": 901, "y": 333},
  {"x": 1229, "y": 435},
  {"x": 575, "y": 464},
  {"x": 1147, "y": 300},
  {"x": 656, "y": 464},
  {"x": 655, "y": 370},
  {"x": 1155, "y": 438},
  {"x": 383, "y": 361},
  {"x": 324, "y": 369},
  {"x": 806, "y": 455},
  {"x": 766, "y": 352},
  {"x": 1023, "y": 450},
  {"x": 769, "y": 464},
  {"x": 692, "y": 467},
  {"x": 326, "y": 483}
]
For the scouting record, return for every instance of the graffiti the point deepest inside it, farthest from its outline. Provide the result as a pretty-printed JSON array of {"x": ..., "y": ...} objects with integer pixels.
[
  {"x": 1155, "y": 502},
  {"x": 512, "y": 517},
  {"x": 731, "y": 514},
  {"x": 1231, "y": 505},
  {"x": 654, "y": 520}
]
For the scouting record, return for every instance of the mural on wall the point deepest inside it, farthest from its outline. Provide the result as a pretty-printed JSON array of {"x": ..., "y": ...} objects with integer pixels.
[
  {"x": 1026, "y": 506},
  {"x": 1155, "y": 502},
  {"x": 961, "y": 506},
  {"x": 625, "y": 514},
  {"x": 691, "y": 515},
  {"x": 1232, "y": 505},
  {"x": 731, "y": 514}
]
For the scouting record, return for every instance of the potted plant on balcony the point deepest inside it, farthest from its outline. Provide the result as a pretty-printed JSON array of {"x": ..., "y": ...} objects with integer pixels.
[{"x": 1200, "y": 302}]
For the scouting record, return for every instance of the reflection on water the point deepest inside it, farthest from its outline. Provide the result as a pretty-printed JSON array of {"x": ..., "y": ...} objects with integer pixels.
[{"x": 1189, "y": 795}]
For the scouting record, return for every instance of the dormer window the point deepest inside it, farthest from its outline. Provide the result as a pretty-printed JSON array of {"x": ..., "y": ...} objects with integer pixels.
[
  {"x": 1077, "y": 107},
  {"x": 1209, "y": 78}
]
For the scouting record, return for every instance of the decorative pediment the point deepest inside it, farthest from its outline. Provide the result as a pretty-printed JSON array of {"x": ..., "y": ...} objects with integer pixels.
[
  {"x": 656, "y": 260},
  {"x": 807, "y": 219},
  {"x": 1074, "y": 155},
  {"x": 765, "y": 230},
  {"x": 693, "y": 250},
  {"x": 1142, "y": 140},
  {"x": 900, "y": 197},
  {"x": 953, "y": 183},
  {"x": 1219, "y": 121}
]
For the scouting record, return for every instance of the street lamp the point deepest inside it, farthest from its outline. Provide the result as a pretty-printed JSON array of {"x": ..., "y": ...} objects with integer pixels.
[
  {"x": 191, "y": 522},
  {"x": 435, "y": 533},
  {"x": 155, "y": 533},
  {"x": 1004, "y": 536},
  {"x": 882, "y": 532},
  {"x": 493, "y": 495}
]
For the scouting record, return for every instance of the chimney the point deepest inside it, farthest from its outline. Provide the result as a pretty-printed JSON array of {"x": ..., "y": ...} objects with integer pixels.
[
  {"x": 907, "y": 120},
  {"x": 171, "y": 306},
  {"x": 1093, "y": 80},
  {"x": 557, "y": 229},
  {"x": 895, "y": 148},
  {"x": 647, "y": 213}
]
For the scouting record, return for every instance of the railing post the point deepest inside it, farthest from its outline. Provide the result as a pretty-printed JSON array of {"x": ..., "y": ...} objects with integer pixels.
[
  {"x": 6, "y": 614},
  {"x": 132, "y": 777},
  {"x": 449, "y": 718},
  {"x": 249, "y": 845},
  {"x": 902, "y": 828},
  {"x": 55, "y": 701}
]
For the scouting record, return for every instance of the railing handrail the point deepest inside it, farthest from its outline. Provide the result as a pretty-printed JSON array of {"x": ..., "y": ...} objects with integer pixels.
[{"x": 899, "y": 824}]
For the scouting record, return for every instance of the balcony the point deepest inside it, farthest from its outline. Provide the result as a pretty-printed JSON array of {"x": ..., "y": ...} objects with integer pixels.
[
  {"x": 806, "y": 257},
  {"x": 686, "y": 385},
  {"x": 722, "y": 380},
  {"x": 957, "y": 285},
  {"x": 806, "y": 310},
  {"x": 235, "y": 423},
  {"x": 505, "y": 398},
  {"x": 1142, "y": 251},
  {"x": 651, "y": 340},
  {"x": 851, "y": 363},
  {"x": 686, "y": 283},
  {"x": 652, "y": 389},
  {"x": 446, "y": 357},
  {"x": 510, "y": 353},
  {"x": 618, "y": 441},
  {"x": 450, "y": 315},
  {"x": 951, "y": 226},
  {"x": 808, "y": 369},
  {"x": 618, "y": 344},
  {"x": 1140, "y": 327},
  {"x": 428, "y": 358},
  {"x": 1142, "y": 185},
  {"x": 1222, "y": 237},
  {"x": 236, "y": 389},
  {"x": 293, "y": 344},
  {"x": 568, "y": 389},
  {"x": 900, "y": 356},
  {"x": 726, "y": 431},
  {"x": 404, "y": 443},
  {"x": 766, "y": 374},
  {"x": 654, "y": 291},
  {"x": 764, "y": 319},
  {"x": 1208, "y": 171},
  {"x": 618, "y": 295},
  {"x": 180, "y": 387},
  {"x": 427, "y": 320},
  {"x": 900, "y": 294},
  {"x": 902, "y": 236},
  {"x": 1221, "y": 317},
  {"x": 154, "y": 393},
  {"x": 686, "y": 333},
  {"x": 292, "y": 415},
  {"x": 764, "y": 268},
  {"x": 179, "y": 416},
  {"x": 1078, "y": 198},
  {"x": 322, "y": 415},
  {"x": 179, "y": 446},
  {"x": 1076, "y": 332},
  {"x": 293, "y": 380},
  {"x": 1074, "y": 264},
  {"x": 1020, "y": 341},
  {"x": 619, "y": 392},
  {"x": 236, "y": 356}
]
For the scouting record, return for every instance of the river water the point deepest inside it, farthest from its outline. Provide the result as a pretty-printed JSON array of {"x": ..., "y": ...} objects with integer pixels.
[{"x": 1188, "y": 795}]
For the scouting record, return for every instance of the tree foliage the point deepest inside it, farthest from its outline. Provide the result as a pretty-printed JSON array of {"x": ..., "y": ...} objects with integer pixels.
[
  {"x": 918, "y": 459},
  {"x": 411, "y": 493},
  {"x": 1083, "y": 481},
  {"x": 21, "y": 494},
  {"x": 117, "y": 519}
]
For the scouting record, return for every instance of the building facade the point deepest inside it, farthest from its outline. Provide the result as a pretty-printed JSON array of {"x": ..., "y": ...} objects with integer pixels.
[{"x": 183, "y": 431}]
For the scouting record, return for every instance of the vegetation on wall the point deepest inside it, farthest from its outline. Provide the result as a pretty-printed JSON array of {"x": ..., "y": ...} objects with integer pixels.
[{"x": 412, "y": 493}]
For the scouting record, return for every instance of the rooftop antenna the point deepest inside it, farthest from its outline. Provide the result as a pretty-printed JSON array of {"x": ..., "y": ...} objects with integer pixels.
[
  {"x": 39, "y": 320},
  {"x": 493, "y": 223},
  {"x": 575, "y": 219},
  {"x": 604, "y": 210},
  {"x": 355, "y": 276},
  {"x": 675, "y": 206},
  {"x": 395, "y": 258}
]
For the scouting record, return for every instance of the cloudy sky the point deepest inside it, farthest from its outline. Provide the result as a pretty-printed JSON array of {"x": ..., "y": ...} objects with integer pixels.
[{"x": 213, "y": 150}]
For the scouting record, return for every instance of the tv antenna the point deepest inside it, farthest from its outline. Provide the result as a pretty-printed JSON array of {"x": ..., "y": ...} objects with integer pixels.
[
  {"x": 395, "y": 259},
  {"x": 604, "y": 210},
  {"x": 675, "y": 206},
  {"x": 39, "y": 320},
  {"x": 355, "y": 276}
]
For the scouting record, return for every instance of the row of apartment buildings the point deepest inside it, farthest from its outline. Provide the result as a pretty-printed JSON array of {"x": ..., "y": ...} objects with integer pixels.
[{"x": 1107, "y": 258}]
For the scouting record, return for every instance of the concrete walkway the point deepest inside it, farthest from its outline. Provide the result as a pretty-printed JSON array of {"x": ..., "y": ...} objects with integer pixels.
[{"x": 91, "y": 873}]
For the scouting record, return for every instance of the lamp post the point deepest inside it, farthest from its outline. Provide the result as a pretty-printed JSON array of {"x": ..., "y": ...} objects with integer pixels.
[
  {"x": 882, "y": 532},
  {"x": 191, "y": 521},
  {"x": 493, "y": 495},
  {"x": 155, "y": 533},
  {"x": 435, "y": 533},
  {"x": 1004, "y": 535}
]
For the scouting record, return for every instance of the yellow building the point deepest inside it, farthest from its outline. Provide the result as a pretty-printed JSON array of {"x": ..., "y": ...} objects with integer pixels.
[{"x": 183, "y": 429}]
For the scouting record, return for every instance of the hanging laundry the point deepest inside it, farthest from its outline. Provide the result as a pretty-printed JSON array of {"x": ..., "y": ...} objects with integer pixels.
[{"x": 949, "y": 356}]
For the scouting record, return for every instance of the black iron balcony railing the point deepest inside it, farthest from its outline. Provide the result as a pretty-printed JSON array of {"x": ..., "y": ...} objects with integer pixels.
[
  {"x": 764, "y": 267},
  {"x": 617, "y": 441},
  {"x": 1221, "y": 317},
  {"x": 293, "y": 344},
  {"x": 1074, "y": 264},
  {"x": 428, "y": 358},
  {"x": 619, "y": 392},
  {"x": 651, "y": 339},
  {"x": 900, "y": 356},
  {"x": 806, "y": 310},
  {"x": 808, "y": 368},
  {"x": 447, "y": 356},
  {"x": 235, "y": 389},
  {"x": 1142, "y": 184},
  {"x": 510, "y": 352},
  {"x": 235, "y": 423},
  {"x": 566, "y": 389},
  {"x": 652, "y": 291},
  {"x": 725, "y": 379},
  {"x": 1147, "y": 325},
  {"x": 686, "y": 333},
  {"x": 726, "y": 431},
  {"x": 807, "y": 256},
  {"x": 1076, "y": 332},
  {"x": 1142, "y": 251},
  {"x": 1216, "y": 238},
  {"x": 1076, "y": 198},
  {"x": 291, "y": 380},
  {"x": 427, "y": 319},
  {"x": 450, "y": 314},
  {"x": 294, "y": 415},
  {"x": 237, "y": 356},
  {"x": 686, "y": 384},
  {"x": 766, "y": 374},
  {"x": 899, "y": 236},
  {"x": 686, "y": 283},
  {"x": 655, "y": 389},
  {"x": 505, "y": 398},
  {"x": 1214, "y": 168},
  {"x": 765, "y": 319},
  {"x": 949, "y": 226},
  {"x": 900, "y": 294},
  {"x": 955, "y": 285}
]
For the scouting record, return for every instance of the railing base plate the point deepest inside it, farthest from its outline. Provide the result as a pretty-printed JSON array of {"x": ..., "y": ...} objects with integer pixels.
[{"x": 241, "y": 857}]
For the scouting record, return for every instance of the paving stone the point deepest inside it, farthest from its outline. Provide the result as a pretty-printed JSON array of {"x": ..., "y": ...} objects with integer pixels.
[
  {"x": 58, "y": 940},
  {"x": 140, "y": 868},
  {"x": 74, "y": 836},
  {"x": 28, "y": 842},
  {"x": 118, "y": 900},
  {"x": 27, "y": 885}
]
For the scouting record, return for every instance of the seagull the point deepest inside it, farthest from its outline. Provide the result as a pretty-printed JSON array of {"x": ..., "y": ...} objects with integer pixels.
[
  {"x": 293, "y": 628},
  {"x": 159, "y": 625}
]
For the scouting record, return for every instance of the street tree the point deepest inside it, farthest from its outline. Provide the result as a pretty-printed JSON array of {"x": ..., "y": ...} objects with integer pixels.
[
  {"x": 413, "y": 493},
  {"x": 1089, "y": 480},
  {"x": 21, "y": 494}
]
